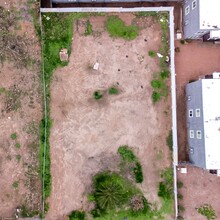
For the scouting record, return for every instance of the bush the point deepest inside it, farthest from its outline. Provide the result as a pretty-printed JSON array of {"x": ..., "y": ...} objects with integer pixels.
[
  {"x": 113, "y": 91},
  {"x": 138, "y": 174},
  {"x": 126, "y": 153},
  {"x": 139, "y": 205},
  {"x": 169, "y": 141},
  {"x": 180, "y": 196},
  {"x": 208, "y": 211},
  {"x": 117, "y": 28},
  {"x": 155, "y": 97},
  {"x": 13, "y": 136},
  {"x": 182, "y": 41},
  {"x": 77, "y": 215},
  {"x": 165, "y": 74},
  {"x": 156, "y": 84},
  {"x": 179, "y": 184},
  {"x": 152, "y": 53},
  {"x": 181, "y": 208},
  {"x": 97, "y": 95}
]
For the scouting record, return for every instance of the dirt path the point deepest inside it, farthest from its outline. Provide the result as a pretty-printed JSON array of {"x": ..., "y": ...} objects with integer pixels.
[
  {"x": 20, "y": 113},
  {"x": 86, "y": 133}
]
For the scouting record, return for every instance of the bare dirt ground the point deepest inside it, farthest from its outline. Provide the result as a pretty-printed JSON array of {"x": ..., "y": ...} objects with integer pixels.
[
  {"x": 194, "y": 60},
  {"x": 20, "y": 105},
  {"x": 199, "y": 188},
  {"x": 86, "y": 133}
]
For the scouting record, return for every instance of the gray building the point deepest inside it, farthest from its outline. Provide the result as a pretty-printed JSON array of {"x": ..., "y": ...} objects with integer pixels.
[
  {"x": 201, "y": 17},
  {"x": 203, "y": 122}
]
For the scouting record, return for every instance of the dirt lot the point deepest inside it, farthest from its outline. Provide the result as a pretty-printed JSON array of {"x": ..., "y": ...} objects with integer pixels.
[
  {"x": 194, "y": 60},
  {"x": 86, "y": 133},
  {"x": 20, "y": 105}
]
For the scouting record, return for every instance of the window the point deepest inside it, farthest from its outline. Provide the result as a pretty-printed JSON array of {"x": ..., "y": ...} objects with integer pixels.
[
  {"x": 191, "y": 150},
  {"x": 194, "y": 4},
  {"x": 191, "y": 133},
  {"x": 187, "y": 10},
  {"x": 199, "y": 134},
  {"x": 197, "y": 112},
  {"x": 190, "y": 113}
]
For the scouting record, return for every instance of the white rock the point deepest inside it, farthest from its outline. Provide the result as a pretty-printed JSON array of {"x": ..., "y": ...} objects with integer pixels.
[{"x": 96, "y": 66}]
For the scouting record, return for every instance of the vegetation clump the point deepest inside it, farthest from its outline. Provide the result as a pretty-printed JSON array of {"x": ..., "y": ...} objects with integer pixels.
[
  {"x": 88, "y": 28},
  {"x": 77, "y": 215},
  {"x": 169, "y": 141},
  {"x": 166, "y": 186},
  {"x": 14, "y": 136},
  {"x": 155, "y": 97},
  {"x": 97, "y": 95},
  {"x": 128, "y": 156},
  {"x": 208, "y": 211},
  {"x": 152, "y": 53},
  {"x": 117, "y": 28},
  {"x": 113, "y": 91}
]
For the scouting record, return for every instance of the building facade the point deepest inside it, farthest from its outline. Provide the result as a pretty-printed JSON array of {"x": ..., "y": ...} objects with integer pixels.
[
  {"x": 203, "y": 122},
  {"x": 200, "y": 18}
]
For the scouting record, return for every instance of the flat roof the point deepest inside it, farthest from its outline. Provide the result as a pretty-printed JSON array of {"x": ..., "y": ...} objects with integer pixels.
[
  {"x": 209, "y": 14},
  {"x": 211, "y": 117}
]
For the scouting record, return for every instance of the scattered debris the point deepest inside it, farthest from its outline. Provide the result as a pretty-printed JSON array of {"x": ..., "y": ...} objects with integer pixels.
[
  {"x": 96, "y": 66},
  {"x": 64, "y": 55}
]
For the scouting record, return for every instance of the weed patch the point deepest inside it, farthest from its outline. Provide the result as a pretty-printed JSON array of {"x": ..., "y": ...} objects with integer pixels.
[
  {"x": 97, "y": 95},
  {"x": 88, "y": 28},
  {"x": 117, "y": 28},
  {"x": 77, "y": 215},
  {"x": 152, "y": 53},
  {"x": 14, "y": 136},
  {"x": 113, "y": 91},
  {"x": 169, "y": 141},
  {"x": 207, "y": 211},
  {"x": 15, "y": 184}
]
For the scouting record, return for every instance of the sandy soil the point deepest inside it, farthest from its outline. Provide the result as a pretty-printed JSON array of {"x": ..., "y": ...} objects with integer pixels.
[
  {"x": 86, "y": 133},
  {"x": 20, "y": 114},
  {"x": 194, "y": 60},
  {"x": 200, "y": 187}
]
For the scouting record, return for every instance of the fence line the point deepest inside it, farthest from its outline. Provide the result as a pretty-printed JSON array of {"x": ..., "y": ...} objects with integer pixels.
[{"x": 172, "y": 69}]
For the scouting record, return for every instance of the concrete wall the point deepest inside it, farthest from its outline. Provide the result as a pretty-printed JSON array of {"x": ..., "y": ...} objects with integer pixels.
[{"x": 193, "y": 102}]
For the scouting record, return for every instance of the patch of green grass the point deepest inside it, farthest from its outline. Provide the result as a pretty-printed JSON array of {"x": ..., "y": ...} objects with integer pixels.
[
  {"x": 146, "y": 14},
  {"x": 15, "y": 184},
  {"x": 166, "y": 186},
  {"x": 88, "y": 28},
  {"x": 14, "y": 136},
  {"x": 207, "y": 211},
  {"x": 2, "y": 90},
  {"x": 18, "y": 157},
  {"x": 117, "y": 28},
  {"x": 165, "y": 74},
  {"x": 113, "y": 91},
  {"x": 155, "y": 97},
  {"x": 156, "y": 84},
  {"x": 126, "y": 153},
  {"x": 97, "y": 95},
  {"x": 77, "y": 215},
  {"x": 152, "y": 53},
  {"x": 169, "y": 140},
  {"x": 17, "y": 145}
]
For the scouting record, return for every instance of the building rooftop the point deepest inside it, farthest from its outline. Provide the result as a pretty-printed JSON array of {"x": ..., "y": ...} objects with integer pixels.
[
  {"x": 209, "y": 14},
  {"x": 211, "y": 118}
]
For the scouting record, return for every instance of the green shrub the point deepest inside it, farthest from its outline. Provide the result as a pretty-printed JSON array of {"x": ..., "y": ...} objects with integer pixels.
[
  {"x": 126, "y": 153},
  {"x": 17, "y": 145},
  {"x": 179, "y": 184},
  {"x": 165, "y": 74},
  {"x": 15, "y": 184},
  {"x": 164, "y": 191},
  {"x": 88, "y": 28},
  {"x": 91, "y": 198},
  {"x": 117, "y": 28},
  {"x": 181, "y": 208},
  {"x": 25, "y": 212},
  {"x": 182, "y": 41},
  {"x": 179, "y": 196},
  {"x": 156, "y": 84},
  {"x": 169, "y": 141},
  {"x": 146, "y": 14},
  {"x": 18, "y": 157},
  {"x": 79, "y": 215},
  {"x": 97, "y": 95},
  {"x": 208, "y": 211},
  {"x": 152, "y": 53},
  {"x": 155, "y": 97},
  {"x": 113, "y": 91},
  {"x": 138, "y": 173},
  {"x": 14, "y": 136}
]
